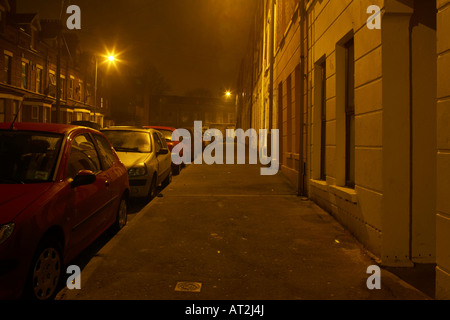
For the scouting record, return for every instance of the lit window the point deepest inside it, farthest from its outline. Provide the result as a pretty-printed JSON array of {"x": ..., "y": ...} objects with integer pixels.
[
  {"x": 24, "y": 75},
  {"x": 39, "y": 80},
  {"x": 8, "y": 68}
]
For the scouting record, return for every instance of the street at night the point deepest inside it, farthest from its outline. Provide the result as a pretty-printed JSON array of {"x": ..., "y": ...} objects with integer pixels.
[
  {"x": 199, "y": 151},
  {"x": 238, "y": 235}
]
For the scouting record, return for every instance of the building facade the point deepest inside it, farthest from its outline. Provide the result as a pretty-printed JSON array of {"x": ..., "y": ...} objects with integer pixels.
[
  {"x": 443, "y": 151},
  {"x": 354, "y": 92},
  {"x": 31, "y": 66}
]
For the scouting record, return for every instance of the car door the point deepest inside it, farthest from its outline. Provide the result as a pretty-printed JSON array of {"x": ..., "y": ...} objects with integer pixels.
[
  {"x": 114, "y": 175},
  {"x": 162, "y": 158},
  {"x": 167, "y": 157},
  {"x": 87, "y": 203}
]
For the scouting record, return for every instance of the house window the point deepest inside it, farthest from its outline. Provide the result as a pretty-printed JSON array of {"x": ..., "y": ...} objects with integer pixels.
[
  {"x": 71, "y": 87},
  {"x": 80, "y": 91},
  {"x": 39, "y": 80},
  {"x": 8, "y": 68},
  {"x": 350, "y": 115},
  {"x": 323, "y": 120},
  {"x": 25, "y": 75},
  {"x": 35, "y": 113},
  {"x": 52, "y": 84},
  {"x": 47, "y": 115},
  {"x": 62, "y": 84}
]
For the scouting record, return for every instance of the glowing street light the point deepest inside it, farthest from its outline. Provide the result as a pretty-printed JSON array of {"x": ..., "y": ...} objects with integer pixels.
[
  {"x": 228, "y": 94},
  {"x": 110, "y": 58}
]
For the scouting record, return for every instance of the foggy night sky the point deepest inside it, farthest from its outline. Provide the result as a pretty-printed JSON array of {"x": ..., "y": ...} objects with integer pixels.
[{"x": 192, "y": 43}]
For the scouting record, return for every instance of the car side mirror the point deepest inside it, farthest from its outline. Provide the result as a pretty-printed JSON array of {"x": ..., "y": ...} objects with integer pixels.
[
  {"x": 163, "y": 151},
  {"x": 83, "y": 178}
]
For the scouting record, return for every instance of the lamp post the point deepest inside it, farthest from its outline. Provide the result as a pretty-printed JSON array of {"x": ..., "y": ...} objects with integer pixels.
[{"x": 111, "y": 59}]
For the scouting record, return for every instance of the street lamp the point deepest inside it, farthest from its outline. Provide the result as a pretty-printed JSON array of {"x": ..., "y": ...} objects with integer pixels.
[{"x": 111, "y": 58}]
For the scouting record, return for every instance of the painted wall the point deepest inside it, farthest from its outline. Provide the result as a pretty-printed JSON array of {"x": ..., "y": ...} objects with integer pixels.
[{"x": 443, "y": 152}]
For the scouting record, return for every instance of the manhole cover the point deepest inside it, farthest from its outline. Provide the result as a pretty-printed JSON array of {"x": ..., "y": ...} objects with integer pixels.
[{"x": 188, "y": 286}]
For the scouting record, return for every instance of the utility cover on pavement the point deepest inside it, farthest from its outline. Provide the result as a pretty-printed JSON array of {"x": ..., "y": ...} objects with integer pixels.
[{"x": 188, "y": 286}]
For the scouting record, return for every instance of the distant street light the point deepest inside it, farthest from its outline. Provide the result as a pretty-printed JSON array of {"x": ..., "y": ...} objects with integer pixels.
[{"x": 228, "y": 94}]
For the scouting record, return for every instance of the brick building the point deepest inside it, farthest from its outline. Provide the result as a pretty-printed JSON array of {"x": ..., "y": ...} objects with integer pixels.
[
  {"x": 362, "y": 133},
  {"x": 29, "y": 63}
]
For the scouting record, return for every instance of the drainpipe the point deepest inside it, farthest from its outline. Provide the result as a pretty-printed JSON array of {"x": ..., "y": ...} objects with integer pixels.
[
  {"x": 272, "y": 60},
  {"x": 302, "y": 169}
]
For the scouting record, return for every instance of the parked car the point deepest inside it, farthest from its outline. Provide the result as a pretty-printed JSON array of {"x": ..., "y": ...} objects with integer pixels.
[
  {"x": 167, "y": 133},
  {"x": 61, "y": 187},
  {"x": 88, "y": 124},
  {"x": 146, "y": 155}
]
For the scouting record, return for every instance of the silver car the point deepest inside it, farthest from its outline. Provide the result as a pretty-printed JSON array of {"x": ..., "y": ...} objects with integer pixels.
[{"x": 146, "y": 156}]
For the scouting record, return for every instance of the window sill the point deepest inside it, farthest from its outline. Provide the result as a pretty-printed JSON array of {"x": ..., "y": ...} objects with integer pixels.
[
  {"x": 345, "y": 193},
  {"x": 319, "y": 184}
]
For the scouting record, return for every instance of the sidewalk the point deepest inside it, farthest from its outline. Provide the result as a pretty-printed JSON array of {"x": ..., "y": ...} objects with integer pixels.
[{"x": 242, "y": 236}]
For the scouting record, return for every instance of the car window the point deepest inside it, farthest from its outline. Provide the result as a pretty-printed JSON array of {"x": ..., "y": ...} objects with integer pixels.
[
  {"x": 129, "y": 141},
  {"x": 158, "y": 143},
  {"x": 83, "y": 156},
  {"x": 163, "y": 141},
  {"x": 28, "y": 157},
  {"x": 105, "y": 152}
]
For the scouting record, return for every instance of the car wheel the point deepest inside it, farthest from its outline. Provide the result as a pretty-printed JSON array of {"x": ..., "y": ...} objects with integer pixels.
[
  {"x": 153, "y": 192},
  {"x": 122, "y": 215},
  {"x": 45, "y": 272}
]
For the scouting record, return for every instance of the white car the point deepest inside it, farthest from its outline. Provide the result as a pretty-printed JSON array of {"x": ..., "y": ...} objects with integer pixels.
[{"x": 145, "y": 154}]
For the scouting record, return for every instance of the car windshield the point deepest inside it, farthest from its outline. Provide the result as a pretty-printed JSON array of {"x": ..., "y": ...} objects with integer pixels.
[
  {"x": 129, "y": 141},
  {"x": 28, "y": 157}
]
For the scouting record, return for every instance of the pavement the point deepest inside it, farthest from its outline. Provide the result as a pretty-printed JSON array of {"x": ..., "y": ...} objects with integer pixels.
[{"x": 224, "y": 232}]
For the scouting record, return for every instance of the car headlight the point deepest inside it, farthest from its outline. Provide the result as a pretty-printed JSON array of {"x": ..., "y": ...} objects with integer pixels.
[
  {"x": 137, "y": 171},
  {"x": 6, "y": 231}
]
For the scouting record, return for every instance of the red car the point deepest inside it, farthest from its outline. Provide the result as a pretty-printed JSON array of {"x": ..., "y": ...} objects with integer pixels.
[
  {"x": 167, "y": 134},
  {"x": 61, "y": 187}
]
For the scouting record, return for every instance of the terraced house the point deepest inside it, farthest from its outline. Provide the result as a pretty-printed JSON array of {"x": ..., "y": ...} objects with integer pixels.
[
  {"x": 31, "y": 67},
  {"x": 363, "y": 111}
]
